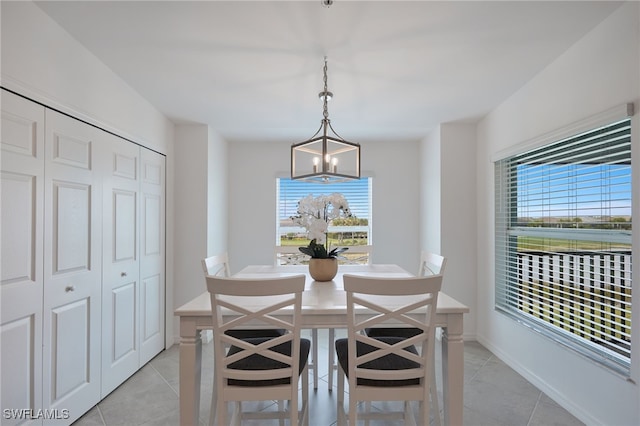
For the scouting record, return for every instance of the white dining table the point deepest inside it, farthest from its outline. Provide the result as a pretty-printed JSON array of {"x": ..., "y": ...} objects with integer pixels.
[{"x": 323, "y": 306}]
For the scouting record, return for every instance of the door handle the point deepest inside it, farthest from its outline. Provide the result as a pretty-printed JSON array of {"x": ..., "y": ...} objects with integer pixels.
[{"x": 69, "y": 288}]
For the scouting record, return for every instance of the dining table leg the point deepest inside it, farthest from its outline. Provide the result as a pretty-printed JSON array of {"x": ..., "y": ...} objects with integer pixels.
[
  {"x": 453, "y": 370},
  {"x": 190, "y": 372}
]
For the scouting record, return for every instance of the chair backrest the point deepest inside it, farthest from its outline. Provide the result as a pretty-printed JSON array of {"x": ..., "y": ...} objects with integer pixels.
[
  {"x": 216, "y": 265},
  {"x": 290, "y": 255},
  {"x": 431, "y": 264},
  {"x": 241, "y": 303},
  {"x": 389, "y": 302},
  {"x": 357, "y": 255}
]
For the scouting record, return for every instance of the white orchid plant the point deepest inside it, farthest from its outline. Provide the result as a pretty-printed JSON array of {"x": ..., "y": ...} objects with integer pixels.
[{"x": 314, "y": 214}]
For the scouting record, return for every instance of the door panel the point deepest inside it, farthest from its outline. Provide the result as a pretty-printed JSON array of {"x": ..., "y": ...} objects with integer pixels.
[
  {"x": 124, "y": 224},
  {"x": 21, "y": 270},
  {"x": 121, "y": 266},
  {"x": 19, "y": 355},
  {"x": 70, "y": 340},
  {"x": 18, "y": 231},
  {"x": 152, "y": 254},
  {"x": 151, "y": 300},
  {"x": 72, "y": 266},
  {"x": 71, "y": 233},
  {"x": 124, "y": 310}
]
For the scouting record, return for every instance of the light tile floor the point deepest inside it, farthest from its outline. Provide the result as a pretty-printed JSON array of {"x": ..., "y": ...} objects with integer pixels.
[{"x": 494, "y": 395}]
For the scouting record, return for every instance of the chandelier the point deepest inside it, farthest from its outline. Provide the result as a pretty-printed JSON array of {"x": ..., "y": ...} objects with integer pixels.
[{"x": 325, "y": 157}]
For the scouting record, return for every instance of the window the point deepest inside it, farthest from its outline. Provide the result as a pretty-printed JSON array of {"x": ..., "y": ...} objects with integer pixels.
[
  {"x": 563, "y": 241},
  {"x": 352, "y": 232}
]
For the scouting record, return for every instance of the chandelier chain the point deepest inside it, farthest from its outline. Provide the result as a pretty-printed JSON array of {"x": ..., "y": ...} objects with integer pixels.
[{"x": 325, "y": 109}]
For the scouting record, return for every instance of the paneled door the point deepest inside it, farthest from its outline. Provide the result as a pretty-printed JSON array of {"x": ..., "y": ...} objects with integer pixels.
[
  {"x": 152, "y": 255},
  {"x": 72, "y": 266},
  {"x": 21, "y": 285},
  {"x": 120, "y": 261}
]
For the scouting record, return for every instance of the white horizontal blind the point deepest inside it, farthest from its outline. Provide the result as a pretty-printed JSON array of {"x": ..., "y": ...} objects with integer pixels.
[
  {"x": 355, "y": 232},
  {"x": 563, "y": 241}
]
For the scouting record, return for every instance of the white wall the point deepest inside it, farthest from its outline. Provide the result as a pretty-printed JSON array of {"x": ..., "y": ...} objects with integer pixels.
[
  {"x": 43, "y": 62},
  {"x": 191, "y": 162},
  {"x": 600, "y": 71},
  {"x": 448, "y": 209},
  {"x": 430, "y": 189},
  {"x": 253, "y": 168},
  {"x": 458, "y": 216},
  {"x": 201, "y": 207},
  {"x": 217, "y": 195}
]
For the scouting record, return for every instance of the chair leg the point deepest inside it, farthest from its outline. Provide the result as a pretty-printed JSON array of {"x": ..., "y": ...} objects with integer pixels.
[
  {"x": 281, "y": 410},
  {"x": 305, "y": 397},
  {"x": 340, "y": 408},
  {"x": 236, "y": 416},
  {"x": 408, "y": 415},
  {"x": 353, "y": 409},
  {"x": 367, "y": 410},
  {"x": 293, "y": 408},
  {"x": 221, "y": 412},
  {"x": 433, "y": 392},
  {"x": 352, "y": 415},
  {"x": 314, "y": 339},
  {"x": 214, "y": 403},
  {"x": 424, "y": 412},
  {"x": 332, "y": 339}
]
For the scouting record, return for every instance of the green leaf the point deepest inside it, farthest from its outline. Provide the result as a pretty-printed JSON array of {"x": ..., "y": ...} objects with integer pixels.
[
  {"x": 316, "y": 251},
  {"x": 319, "y": 252},
  {"x": 337, "y": 251},
  {"x": 306, "y": 250}
]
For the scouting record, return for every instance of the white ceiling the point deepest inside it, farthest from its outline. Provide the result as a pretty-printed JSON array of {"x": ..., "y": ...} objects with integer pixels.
[{"x": 252, "y": 70}]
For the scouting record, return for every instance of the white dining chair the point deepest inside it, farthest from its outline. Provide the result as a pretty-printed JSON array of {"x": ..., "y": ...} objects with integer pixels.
[
  {"x": 289, "y": 255},
  {"x": 357, "y": 255},
  {"x": 218, "y": 265},
  {"x": 262, "y": 368},
  {"x": 430, "y": 264},
  {"x": 387, "y": 368}
]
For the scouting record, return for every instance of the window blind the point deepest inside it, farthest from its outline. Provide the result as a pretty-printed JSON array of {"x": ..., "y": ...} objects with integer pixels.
[
  {"x": 563, "y": 241},
  {"x": 356, "y": 192}
]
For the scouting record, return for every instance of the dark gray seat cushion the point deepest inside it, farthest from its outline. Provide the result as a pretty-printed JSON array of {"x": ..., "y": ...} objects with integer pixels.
[
  {"x": 256, "y": 332},
  {"x": 387, "y": 362},
  {"x": 260, "y": 362},
  {"x": 405, "y": 332}
]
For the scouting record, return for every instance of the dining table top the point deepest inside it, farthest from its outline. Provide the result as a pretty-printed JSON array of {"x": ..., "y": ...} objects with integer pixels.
[{"x": 326, "y": 297}]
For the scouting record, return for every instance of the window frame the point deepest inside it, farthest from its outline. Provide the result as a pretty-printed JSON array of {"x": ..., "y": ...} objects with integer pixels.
[
  {"x": 506, "y": 246},
  {"x": 329, "y": 189}
]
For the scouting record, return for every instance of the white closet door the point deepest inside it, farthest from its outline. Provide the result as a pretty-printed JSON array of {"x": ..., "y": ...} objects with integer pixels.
[
  {"x": 21, "y": 189},
  {"x": 152, "y": 255},
  {"x": 72, "y": 266},
  {"x": 120, "y": 262}
]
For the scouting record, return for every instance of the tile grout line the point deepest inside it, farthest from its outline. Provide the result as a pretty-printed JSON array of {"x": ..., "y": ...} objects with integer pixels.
[
  {"x": 104, "y": 422},
  {"x": 535, "y": 407},
  {"x": 165, "y": 380},
  {"x": 481, "y": 367}
]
